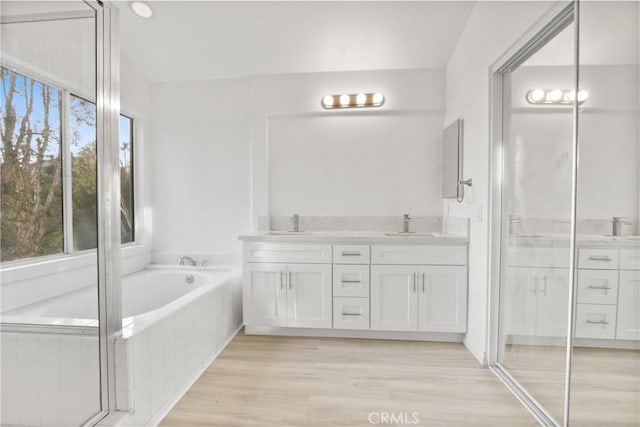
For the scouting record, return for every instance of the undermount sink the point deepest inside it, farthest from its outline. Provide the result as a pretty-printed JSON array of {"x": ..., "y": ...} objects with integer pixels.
[
  {"x": 410, "y": 234},
  {"x": 288, "y": 233}
]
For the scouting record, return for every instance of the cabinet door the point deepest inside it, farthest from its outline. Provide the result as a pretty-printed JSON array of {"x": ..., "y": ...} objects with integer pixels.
[
  {"x": 309, "y": 296},
  {"x": 553, "y": 302},
  {"x": 520, "y": 301},
  {"x": 264, "y": 295},
  {"x": 442, "y": 299},
  {"x": 628, "y": 324},
  {"x": 394, "y": 298}
]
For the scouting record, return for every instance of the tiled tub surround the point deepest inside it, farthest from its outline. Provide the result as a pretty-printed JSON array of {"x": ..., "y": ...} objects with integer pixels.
[
  {"x": 182, "y": 325},
  {"x": 50, "y": 376}
]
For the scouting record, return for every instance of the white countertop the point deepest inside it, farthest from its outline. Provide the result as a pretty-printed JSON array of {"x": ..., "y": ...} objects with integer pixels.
[
  {"x": 584, "y": 240},
  {"x": 355, "y": 237}
]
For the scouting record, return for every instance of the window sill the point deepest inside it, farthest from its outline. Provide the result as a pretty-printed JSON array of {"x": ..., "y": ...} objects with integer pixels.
[{"x": 13, "y": 271}]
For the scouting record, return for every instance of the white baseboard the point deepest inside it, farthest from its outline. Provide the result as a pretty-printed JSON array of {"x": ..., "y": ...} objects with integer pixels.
[
  {"x": 169, "y": 405},
  {"x": 343, "y": 333}
]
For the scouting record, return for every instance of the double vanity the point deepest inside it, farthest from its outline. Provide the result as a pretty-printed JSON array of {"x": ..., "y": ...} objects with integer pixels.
[{"x": 361, "y": 284}]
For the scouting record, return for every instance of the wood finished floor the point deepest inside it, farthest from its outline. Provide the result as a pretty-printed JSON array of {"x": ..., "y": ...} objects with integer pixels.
[
  {"x": 285, "y": 381},
  {"x": 605, "y": 386}
]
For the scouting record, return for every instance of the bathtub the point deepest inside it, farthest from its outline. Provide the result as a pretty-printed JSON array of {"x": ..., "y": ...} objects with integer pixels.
[{"x": 175, "y": 322}]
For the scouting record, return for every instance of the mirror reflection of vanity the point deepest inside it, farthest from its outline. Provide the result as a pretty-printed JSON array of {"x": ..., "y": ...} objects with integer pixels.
[{"x": 538, "y": 289}]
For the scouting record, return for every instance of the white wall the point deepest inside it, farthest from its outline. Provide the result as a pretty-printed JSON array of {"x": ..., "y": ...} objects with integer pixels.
[
  {"x": 491, "y": 30},
  {"x": 200, "y": 155},
  {"x": 386, "y": 161}
]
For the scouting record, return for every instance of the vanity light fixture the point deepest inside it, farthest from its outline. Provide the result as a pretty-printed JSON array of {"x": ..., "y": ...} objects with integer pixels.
[
  {"x": 352, "y": 100},
  {"x": 141, "y": 8},
  {"x": 555, "y": 96}
]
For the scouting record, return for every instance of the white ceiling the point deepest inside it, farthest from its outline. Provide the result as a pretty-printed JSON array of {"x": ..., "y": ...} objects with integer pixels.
[{"x": 196, "y": 40}]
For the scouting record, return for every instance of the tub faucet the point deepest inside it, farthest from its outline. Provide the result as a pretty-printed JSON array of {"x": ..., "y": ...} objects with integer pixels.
[
  {"x": 618, "y": 222},
  {"x": 187, "y": 260},
  {"x": 295, "y": 223},
  {"x": 406, "y": 219}
]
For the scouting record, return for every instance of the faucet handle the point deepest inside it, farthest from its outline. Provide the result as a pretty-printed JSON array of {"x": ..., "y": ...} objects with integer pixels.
[
  {"x": 621, "y": 220},
  {"x": 406, "y": 217}
]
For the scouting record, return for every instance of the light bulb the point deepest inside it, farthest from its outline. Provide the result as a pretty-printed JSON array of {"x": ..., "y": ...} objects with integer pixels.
[
  {"x": 554, "y": 95},
  {"x": 378, "y": 98},
  {"x": 344, "y": 100},
  {"x": 327, "y": 101},
  {"x": 582, "y": 95},
  {"x": 141, "y": 8},
  {"x": 536, "y": 95},
  {"x": 361, "y": 99}
]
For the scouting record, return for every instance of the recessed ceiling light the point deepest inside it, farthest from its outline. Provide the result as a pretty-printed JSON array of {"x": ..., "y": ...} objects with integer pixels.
[{"x": 141, "y": 8}]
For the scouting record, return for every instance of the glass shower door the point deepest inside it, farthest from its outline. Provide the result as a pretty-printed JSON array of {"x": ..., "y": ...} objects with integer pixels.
[
  {"x": 605, "y": 367},
  {"x": 536, "y": 212},
  {"x": 48, "y": 196}
]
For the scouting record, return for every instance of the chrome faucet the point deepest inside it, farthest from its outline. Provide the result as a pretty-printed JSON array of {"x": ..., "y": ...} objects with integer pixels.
[
  {"x": 406, "y": 219},
  {"x": 187, "y": 260},
  {"x": 295, "y": 223},
  {"x": 618, "y": 222}
]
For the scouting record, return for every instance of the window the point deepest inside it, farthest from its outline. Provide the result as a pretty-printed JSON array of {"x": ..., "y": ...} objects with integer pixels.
[
  {"x": 126, "y": 179},
  {"x": 43, "y": 210},
  {"x": 31, "y": 168}
]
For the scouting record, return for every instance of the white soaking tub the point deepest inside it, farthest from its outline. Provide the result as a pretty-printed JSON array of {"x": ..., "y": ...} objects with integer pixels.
[{"x": 175, "y": 322}]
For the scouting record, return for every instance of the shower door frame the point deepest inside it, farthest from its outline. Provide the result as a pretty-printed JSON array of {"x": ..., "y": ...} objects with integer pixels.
[
  {"x": 546, "y": 28},
  {"x": 107, "y": 51}
]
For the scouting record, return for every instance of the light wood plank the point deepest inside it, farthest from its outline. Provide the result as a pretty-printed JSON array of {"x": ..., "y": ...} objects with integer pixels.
[{"x": 287, "y": 381}]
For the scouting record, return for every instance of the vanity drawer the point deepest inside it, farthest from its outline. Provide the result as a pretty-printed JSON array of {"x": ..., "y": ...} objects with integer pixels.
[
  {"x": 350, "y": 313},
  {"x": 629, "y": 259},
  {"x": 416, "y": 255},
  {"x": 596, "y": 321},
  {"x": 605, "y": 259},
  {"x": 351, "y": 281},
  {"x": 286, "y": 252},
  {"x": 598, "y": 286},
  {"x": 348, "y": 254}
]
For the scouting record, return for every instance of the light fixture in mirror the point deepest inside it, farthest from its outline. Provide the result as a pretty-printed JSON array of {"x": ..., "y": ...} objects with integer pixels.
[
  {"x": 141, "y": 8},
  {"x": 555, "y": 96},
  {"x": 353, "y": 100}
]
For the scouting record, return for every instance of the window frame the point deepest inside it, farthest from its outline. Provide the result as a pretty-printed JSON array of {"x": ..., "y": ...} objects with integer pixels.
[{"x": 66, "y": 170}]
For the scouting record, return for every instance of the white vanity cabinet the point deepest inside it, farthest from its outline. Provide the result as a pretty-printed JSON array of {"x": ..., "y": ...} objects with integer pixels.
[
  {"x": 536, "y": 301},
  {"x": 280, "y": 293},
  {"x": 424, "y": 298},
  {"x": 628, "y": 324},
  {"x": 608, "y": 294},
  {"x": 370, "y": 290}
]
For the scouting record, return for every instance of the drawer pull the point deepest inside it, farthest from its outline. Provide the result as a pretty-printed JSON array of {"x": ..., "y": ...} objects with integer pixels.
[
  {"x": 600, "y": 258},
  {"x": 352, "y": 314},
  {"x": 351, "y": 253},
  {"x": 351, "y": 281},
  {"x": 599, "y": 322},
  {"x": 602, "y": 288}
]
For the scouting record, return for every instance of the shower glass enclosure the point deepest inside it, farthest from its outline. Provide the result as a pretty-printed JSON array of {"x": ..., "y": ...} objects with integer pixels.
[
  {"x": 56, "y": 192},
  {"x": 565, "y": 246}
]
